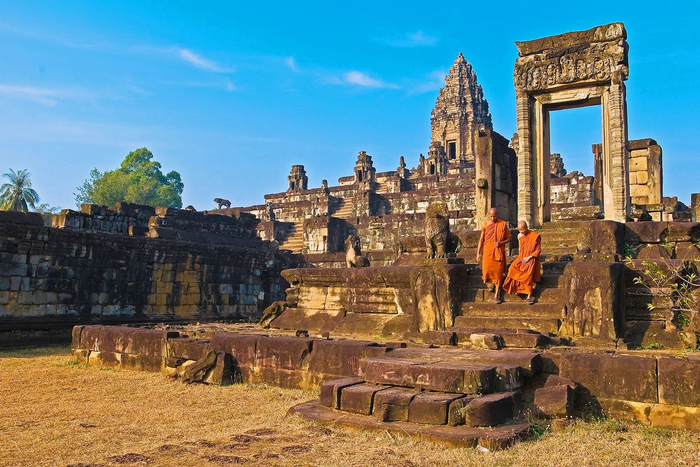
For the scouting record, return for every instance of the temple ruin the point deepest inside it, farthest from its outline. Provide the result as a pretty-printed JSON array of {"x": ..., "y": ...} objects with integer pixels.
[{"x": 372, "y": 289}]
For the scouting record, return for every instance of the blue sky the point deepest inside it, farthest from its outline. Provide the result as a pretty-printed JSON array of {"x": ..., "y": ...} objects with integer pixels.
[{"x": 231, "y": 94}]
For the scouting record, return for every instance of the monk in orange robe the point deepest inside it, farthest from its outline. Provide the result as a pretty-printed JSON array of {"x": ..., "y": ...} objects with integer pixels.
[
  {"x": 495, "y": 234},
  {"x": 525, "y": 270}
]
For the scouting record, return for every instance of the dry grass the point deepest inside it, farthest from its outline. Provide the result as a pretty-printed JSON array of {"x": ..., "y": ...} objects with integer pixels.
[{"x": 57, "y": 413}]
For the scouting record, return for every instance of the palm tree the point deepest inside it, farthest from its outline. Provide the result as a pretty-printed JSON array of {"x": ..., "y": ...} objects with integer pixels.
[{"x": 17, "y": 195}]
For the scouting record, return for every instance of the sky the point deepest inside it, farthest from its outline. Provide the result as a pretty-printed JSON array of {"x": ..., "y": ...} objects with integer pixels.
[{"x": 231, "y": 94}]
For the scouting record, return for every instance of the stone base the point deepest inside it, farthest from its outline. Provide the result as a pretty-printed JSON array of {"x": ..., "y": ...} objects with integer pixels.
[{"x": 497, "y": 438}]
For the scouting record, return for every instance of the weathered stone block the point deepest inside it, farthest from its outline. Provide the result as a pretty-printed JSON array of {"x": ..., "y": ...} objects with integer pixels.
[
  {"x": 594, "y": 299},
  {"x": 431, "y": 408},
  {"x": 486, "y": 341},
  {"x": 221, "y": 374},
  {"x": 331, "y": 390},
  {"x": 189, "y": 349},
  {"x": 679, "y": 382},
  {"x": 654, "y": 251},
  {"x": 646, "y": 232},
  {"x": 342, "y": 357},
  {"x": 555, "y": 401},
  {"x": 288, "y": 353},
  {"x": 152, "y": 363},
  {"x": 359, "y": 398},
  {"x": 611, "y": 376},
  {"x": 391, "y": 405},
  {"x": 683, "y": 232},
  {"x": 508, "y": 378},
  {"x": 489, "y": 410},
  {"x": 243, "y": 347}
]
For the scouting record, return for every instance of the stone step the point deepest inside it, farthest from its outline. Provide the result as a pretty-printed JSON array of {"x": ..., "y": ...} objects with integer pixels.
[
  {"x": 521, "y": 310},
  {"x": 495, "y": 438},
  {"x": 541, "y": 294},
  {"x": 543, "y": 325},
  {"x": 516, "y": 338},
  {"x": 547, "y": 281}
]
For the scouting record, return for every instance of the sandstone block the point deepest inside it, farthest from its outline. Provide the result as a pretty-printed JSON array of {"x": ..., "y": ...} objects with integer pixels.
[
  {"x": 654, "y": 252},
  {"x": 288, "y": 353},
  {"x": 221, "y": 374},
  {"x": 555, "y": 380},
  {"x": 489, "y": 410},
  {"x": 646, "y": 232},
  {"x": 611, "y": 376},
  {"x": 330, "y": 391},
  {"x": 342, "y": 357},
  {"x": 359, "y": 398},
  {"x": 391, "y": 405},
  {"x": 152, "y": 363},
  {"x": 508, "y": 378},
  {"x": 431, "y": 408},
  {"x": 188, "y": 349},
  {"x": 242, "y": 347},
  {"x": 679, "y": 382},
  {"x": 555, "y": 401},
  {"x": 486, "y": 341}
]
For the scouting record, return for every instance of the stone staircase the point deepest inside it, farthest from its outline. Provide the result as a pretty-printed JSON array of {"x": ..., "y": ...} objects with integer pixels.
[
  {"x": 517, "y": 323},
  {"x": 458, "y": 398},
  {"x": 345, "y": 210},
  {"x": 295, "y": 238}
]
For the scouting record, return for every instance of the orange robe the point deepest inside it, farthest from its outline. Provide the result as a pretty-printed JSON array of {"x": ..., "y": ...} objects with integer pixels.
[
  {"x": 521, "y": 276},
  {"x": 494, "y": 263}
]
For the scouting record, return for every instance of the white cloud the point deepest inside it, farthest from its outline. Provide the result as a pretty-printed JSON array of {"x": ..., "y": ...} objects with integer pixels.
[
  {"x": 358, "y": 78},
  {"x": 292, "y": 64},
  {"x": 201, "y": 62},
  {"x": 46, "y": 96},
  {"x": 415, "y": 39}
]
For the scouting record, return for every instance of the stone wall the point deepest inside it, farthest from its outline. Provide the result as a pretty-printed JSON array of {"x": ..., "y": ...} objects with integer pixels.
[{"x": 54, "y": 277}]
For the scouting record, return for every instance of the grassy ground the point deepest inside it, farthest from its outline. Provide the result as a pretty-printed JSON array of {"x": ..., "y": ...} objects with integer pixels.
[{"x": 53, "y": 412}]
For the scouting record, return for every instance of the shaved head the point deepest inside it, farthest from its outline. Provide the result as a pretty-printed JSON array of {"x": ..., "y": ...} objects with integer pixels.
[
  {"x": 522, "y": 225},
  {"x": 493, "y": 211}
]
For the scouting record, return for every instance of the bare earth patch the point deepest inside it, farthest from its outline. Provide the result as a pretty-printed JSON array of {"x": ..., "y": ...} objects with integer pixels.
[{"x": 55, "y": 413}]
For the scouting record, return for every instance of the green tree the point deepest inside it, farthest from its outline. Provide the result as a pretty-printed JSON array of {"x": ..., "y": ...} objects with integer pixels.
[
  {"x": 47, "y": 212},
  {"x": 138, "y": 180},
  {"x": 17, "y": 195}
]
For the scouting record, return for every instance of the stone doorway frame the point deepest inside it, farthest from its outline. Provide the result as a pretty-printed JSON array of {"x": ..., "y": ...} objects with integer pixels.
[{"x": 571, "y": 70}]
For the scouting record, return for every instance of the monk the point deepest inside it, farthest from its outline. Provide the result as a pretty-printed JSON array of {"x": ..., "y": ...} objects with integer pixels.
[
  {"x": 495, "y": 234},
  {"x": 525, "y": 270}
]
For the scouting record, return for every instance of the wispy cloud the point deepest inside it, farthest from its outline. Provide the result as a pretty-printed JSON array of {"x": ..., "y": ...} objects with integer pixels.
[
  {"x": 414, "y": 39},
  {"x": 46, "y": 96},
  {"x": 434, "y": 81},
  {"x": 201, "y": 62},
  {"x": 358, "y": 78},
  {"x": 292, "y": 64}
]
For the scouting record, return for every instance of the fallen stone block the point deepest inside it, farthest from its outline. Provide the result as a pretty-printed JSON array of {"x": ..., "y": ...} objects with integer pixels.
[
  {"x": 555, "y": 380},
  {"x": 221, "y": 374},
  {"x": 193, "y": 371},
  {"x": 330, "y": 391},
  {"x": 508, "y": 378},
  {"x": 486, "y": 341},
  {"x": 555, "y": 401},
  {"x": 431, "y": 408}
]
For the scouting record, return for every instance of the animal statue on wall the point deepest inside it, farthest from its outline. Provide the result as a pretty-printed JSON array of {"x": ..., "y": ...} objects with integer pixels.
[
  {"x": 439, "y": 241},
  {"x": 222, "y": 202},
  {"x": 353, "y": 253},
  {"x": 190, "y": 208},
  {"x": 271, "y": 312}
]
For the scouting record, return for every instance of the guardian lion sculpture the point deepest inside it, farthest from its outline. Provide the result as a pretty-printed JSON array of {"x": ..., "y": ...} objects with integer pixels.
[{"x": 353, "y": 253}]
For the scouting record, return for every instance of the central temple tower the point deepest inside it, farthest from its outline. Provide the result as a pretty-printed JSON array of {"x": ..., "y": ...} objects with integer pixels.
[{"x": 459, "y": 111}]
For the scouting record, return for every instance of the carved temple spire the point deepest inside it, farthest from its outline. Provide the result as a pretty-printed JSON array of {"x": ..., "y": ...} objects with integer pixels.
[{"x": 460, "y": 110}]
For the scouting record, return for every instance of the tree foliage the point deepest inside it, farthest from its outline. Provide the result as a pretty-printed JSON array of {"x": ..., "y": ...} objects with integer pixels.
[
  {"x": 17, "y": 195},
  {"x": 138, "y": 180},
  {"x": 47, "y": 212}
]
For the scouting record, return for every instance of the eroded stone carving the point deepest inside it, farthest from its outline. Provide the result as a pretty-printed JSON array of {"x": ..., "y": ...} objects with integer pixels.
[
  {"x": 353, "y": 253},
  {"x": 436, "y": 229},
  {"x": 272, "y": 312},
  {"x": 222, "y": 202},
  {"x": 598, "y": 54}
]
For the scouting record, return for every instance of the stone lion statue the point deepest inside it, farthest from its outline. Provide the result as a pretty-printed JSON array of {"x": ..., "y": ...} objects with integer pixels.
[
  {"x": 222, "y": 202},
  {"x": 353, "y": 253},
  {"x": 272, "y": 312},
  {"x": 436, "y": 228}
]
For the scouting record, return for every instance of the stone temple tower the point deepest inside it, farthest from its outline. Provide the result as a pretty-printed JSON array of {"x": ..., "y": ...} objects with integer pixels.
[{"x": 459, "y": 111}]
